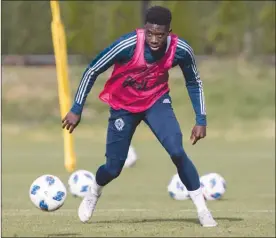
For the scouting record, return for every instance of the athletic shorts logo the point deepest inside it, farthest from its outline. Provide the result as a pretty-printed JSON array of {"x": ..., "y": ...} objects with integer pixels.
[
  {"x": 166, "y": 100},
  {"x": 119, "y": 124}
]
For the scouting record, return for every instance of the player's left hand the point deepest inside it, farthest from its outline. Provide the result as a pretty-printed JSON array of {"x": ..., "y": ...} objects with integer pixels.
[{"x": 198, "y": 133}]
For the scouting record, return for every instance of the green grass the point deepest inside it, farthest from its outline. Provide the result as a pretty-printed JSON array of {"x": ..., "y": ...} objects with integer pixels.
[
  {"x": 137, "y": 203},
  {"x": 234, "y": 90},
  {"x": 240, "y": 145}
]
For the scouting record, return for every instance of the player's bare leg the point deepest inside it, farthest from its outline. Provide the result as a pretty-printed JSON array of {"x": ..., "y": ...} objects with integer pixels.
[{"x": 89, "y": 202}]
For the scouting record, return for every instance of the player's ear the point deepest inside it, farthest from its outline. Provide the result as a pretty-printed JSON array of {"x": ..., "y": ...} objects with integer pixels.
[{"x": 170, "y": 30}]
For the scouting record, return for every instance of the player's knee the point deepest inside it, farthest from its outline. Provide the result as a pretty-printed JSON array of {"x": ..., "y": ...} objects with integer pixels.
[
  {"x": 173, "y": 145},
  {"x": 114, "y": 167},
  {"x": 177, "y": 155},
  {"x": 114, "y": 172}
]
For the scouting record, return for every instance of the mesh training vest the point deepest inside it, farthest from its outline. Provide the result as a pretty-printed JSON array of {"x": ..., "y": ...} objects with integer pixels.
[{"x": 137, "y": 85}]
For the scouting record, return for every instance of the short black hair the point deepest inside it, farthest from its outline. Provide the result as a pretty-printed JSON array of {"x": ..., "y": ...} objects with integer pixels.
[{"x": 158, "y": 15}]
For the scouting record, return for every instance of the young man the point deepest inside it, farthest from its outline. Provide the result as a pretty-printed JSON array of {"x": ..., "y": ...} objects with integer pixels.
[{"x": 138, "y": 91}]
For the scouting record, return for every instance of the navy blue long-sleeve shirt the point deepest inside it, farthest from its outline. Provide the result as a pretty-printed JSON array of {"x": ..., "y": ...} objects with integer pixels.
[{"x": 122, "y": 50}]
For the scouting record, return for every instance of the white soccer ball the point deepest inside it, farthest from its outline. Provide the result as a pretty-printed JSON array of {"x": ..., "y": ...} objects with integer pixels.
[
  {"x": 213, "y": 186},
  {"x": 48, "y": 193},
  {"x": 131, "y": 158},
  {"x": 79, "y": 182},
  {"x": 177, "y": 189}
]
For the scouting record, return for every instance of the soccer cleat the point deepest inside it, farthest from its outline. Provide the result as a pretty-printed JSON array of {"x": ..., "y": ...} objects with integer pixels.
[
  {"x": 88, "y": 206},
  {"x": 206, "y": 219}
]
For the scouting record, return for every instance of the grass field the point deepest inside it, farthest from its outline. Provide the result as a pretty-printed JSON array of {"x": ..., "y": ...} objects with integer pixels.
[
  {"x": 240, "y": 145},
  {"x": 137, "y": 203}
]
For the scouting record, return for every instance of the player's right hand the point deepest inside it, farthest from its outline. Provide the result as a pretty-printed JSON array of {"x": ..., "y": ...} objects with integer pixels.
[{"x": 71, "y": 121}]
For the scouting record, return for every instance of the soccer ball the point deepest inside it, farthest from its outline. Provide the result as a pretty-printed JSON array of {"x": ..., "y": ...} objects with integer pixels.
[
  {"x": 79, "y": 182},
  {"x": 177, "y": 189},
  {"x": 48, "y": 193},
  {"x": 131, "y": 158},
  {"x": 213, "y": 186}
]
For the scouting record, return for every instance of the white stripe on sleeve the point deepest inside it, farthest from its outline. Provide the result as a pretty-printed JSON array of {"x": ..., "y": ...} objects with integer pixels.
[
  {"x": 102, "y": 62},
  {"x": 183, "y": 45}
]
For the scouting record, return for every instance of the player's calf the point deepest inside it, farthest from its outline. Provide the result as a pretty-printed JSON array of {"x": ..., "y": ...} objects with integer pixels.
[
  {"x": 109, "y": 171},
  {"x": 189, "y": 177}
]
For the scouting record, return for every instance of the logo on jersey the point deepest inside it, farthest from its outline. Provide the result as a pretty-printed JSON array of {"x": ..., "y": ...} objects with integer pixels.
[
  {"x": 143, "y": 84},
  {"x": 146, "y": 79},
  {"x": 119, "y": 124}
]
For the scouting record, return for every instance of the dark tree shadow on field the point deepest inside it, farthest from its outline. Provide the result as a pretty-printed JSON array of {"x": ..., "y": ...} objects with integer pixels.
[
  {"x": 64, "y": 235},
  {"x": 149, "y": 220}
]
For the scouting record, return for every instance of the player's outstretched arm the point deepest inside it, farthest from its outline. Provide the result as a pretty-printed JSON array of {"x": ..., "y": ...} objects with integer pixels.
[
  {"x": 195, "y": 89},
  {"x": 116, "y": 52}
]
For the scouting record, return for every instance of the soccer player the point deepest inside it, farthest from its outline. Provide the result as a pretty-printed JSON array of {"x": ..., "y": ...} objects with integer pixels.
[{"x": 138, "y": 91}]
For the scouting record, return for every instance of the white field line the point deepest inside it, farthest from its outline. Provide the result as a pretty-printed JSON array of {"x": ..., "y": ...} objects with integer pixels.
[{"x": 64, "y": 212}]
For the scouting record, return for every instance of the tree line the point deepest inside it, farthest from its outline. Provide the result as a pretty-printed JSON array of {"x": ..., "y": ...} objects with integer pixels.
[{"x": 211, "y": 27}]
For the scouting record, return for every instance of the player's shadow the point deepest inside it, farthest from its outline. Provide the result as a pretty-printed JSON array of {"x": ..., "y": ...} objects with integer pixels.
[
  {"x": 189, "y": 220},
  {"x": 64, "y": 235}
]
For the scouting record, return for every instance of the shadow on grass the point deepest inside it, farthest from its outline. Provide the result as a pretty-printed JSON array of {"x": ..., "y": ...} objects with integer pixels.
[
  {"x": 64, "y": 235},
  {"x": 189, "y": 220}
]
